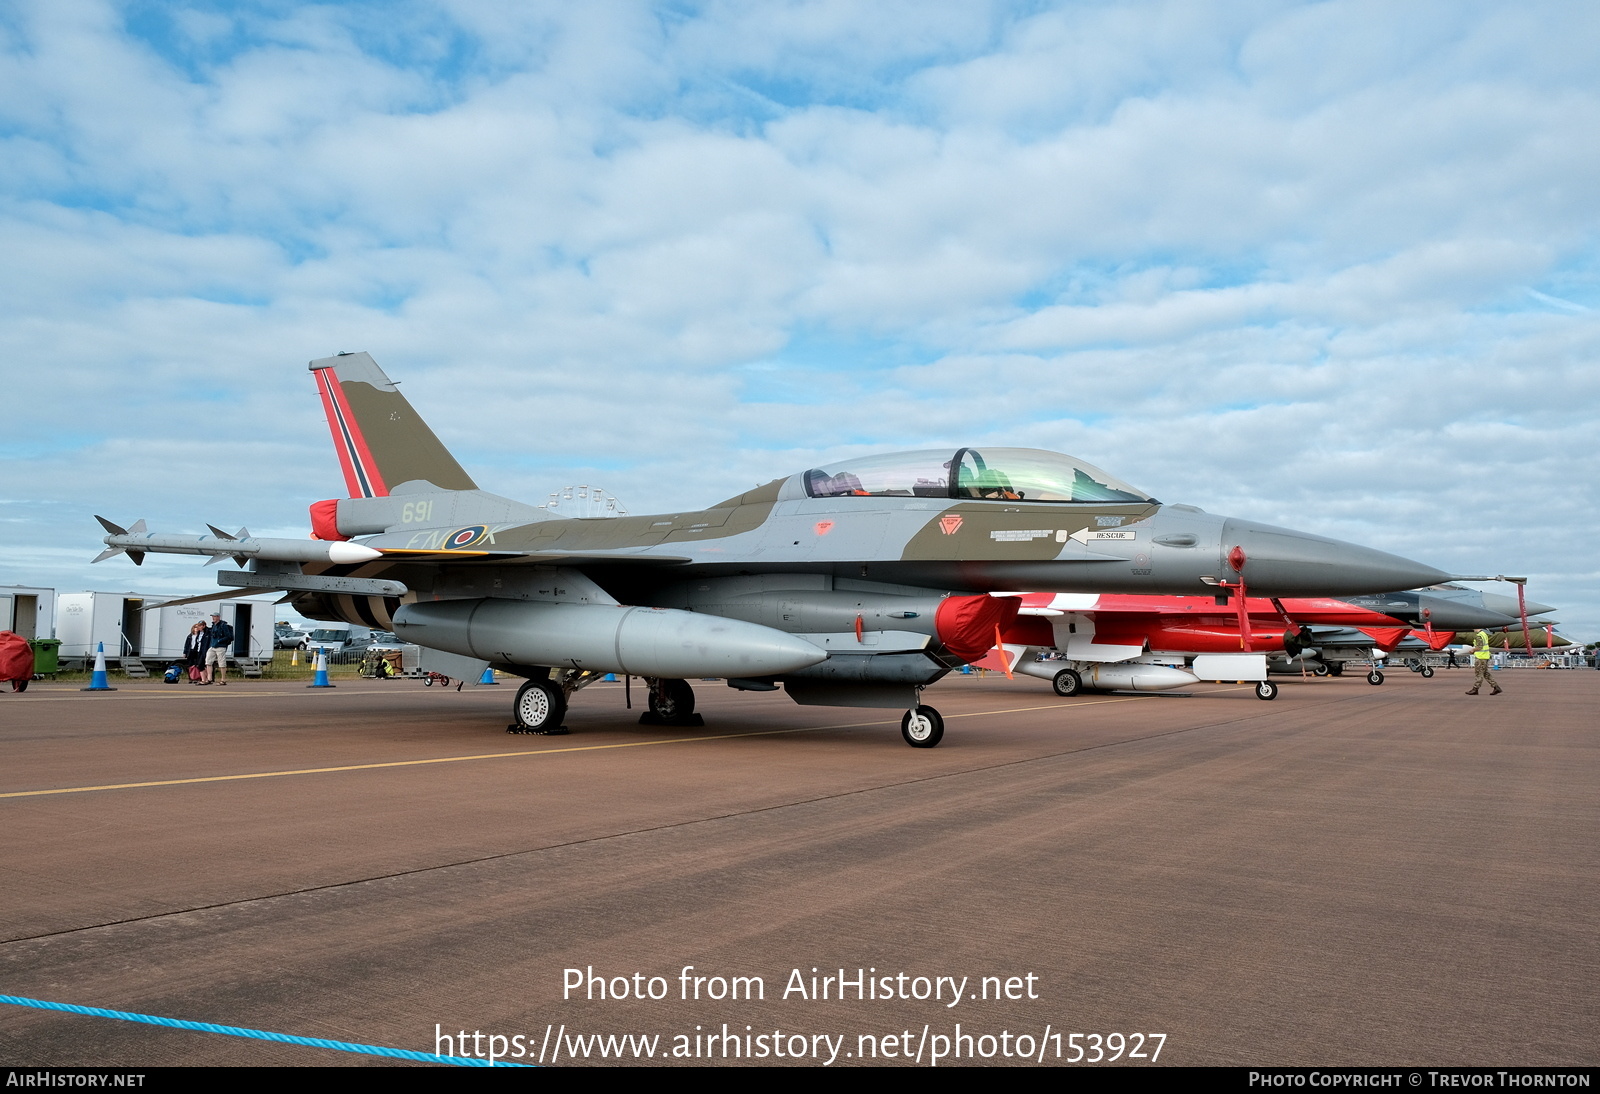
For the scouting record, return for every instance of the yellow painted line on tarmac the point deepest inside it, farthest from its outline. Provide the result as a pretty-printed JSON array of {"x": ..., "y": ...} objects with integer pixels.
[
  {"x": 527, "y": 752},
  {"x": 193, "y": 693}
]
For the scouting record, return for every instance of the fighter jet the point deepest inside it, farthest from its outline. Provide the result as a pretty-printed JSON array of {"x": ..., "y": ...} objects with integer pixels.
[
  {"x": 857, "y": 583},
  {"x": 1430, "y": 619},
  {"x": 1157, "y": 643}
]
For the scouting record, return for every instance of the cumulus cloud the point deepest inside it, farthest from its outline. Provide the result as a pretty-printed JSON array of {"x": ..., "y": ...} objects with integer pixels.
[{"x": 1329, "y": 265}]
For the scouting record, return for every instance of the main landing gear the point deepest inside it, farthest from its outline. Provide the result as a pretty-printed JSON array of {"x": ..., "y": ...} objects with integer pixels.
[
  {"x": 1067, "y": 683},
  {"x": 671, "y": 704},
  {"x": 539, "y": 707}
]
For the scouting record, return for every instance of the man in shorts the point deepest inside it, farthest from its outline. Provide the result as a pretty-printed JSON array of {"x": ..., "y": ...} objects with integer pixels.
[{"x": 219, "y": 640}]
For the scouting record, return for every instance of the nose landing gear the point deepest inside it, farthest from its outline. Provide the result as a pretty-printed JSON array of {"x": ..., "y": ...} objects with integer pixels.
[{"x": 922, "y": 727}]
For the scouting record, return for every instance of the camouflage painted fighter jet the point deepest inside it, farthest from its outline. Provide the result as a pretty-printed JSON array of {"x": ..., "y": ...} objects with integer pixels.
[
  {"x": 1428, "y": 620},
  {"x": 853, "y": 584}
]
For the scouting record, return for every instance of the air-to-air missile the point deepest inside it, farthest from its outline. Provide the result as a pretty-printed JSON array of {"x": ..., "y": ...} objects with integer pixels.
[{"x": 852, "y": 584}]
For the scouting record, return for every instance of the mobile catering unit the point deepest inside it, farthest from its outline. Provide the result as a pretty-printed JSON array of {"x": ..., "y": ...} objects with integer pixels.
[{"x": 135, "y": 625}]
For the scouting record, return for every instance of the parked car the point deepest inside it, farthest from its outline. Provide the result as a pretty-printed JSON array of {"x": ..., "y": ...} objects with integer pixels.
[
  {"x": 341, "y": 641},
  {"x": 286, "y": 636},
  {"x": 385, "y": 640}
]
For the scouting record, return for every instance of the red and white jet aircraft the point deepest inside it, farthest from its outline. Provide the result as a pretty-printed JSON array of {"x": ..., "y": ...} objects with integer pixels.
[{"x": 1156, "y": 643}]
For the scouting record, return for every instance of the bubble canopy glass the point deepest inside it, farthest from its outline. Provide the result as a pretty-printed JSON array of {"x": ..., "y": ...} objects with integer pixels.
[{"x": 998, "y": 474}]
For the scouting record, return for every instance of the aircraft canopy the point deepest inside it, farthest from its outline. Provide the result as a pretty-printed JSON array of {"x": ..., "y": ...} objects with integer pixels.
[{"x": 1005, "y": 474}]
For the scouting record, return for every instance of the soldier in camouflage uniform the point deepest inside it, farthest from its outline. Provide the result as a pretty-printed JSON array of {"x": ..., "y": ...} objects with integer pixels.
[{"x": 1480, "y": 664}]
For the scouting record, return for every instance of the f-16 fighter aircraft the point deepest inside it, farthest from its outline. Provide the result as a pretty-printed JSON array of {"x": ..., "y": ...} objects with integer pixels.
[
  {"x": 1426, "y": 620},
  {"x": 853, "y": 584},
  {"x": 1156, "y": 643}
]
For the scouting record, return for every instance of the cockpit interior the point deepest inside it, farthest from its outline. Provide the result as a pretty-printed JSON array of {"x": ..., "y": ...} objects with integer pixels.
[{"x": 996, "y": 474}]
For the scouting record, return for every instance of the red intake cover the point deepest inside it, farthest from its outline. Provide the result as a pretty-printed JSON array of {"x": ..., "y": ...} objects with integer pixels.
[
  {"x": 966, "y": 624},
  {"x": 325, "y": 520}
]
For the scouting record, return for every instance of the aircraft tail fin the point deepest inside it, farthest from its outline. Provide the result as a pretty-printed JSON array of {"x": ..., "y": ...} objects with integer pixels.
[{"x": 382, "y": 442}]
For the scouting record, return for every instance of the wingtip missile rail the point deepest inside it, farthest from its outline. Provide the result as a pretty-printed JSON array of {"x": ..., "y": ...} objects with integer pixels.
[{"x": 137, "y": 542}]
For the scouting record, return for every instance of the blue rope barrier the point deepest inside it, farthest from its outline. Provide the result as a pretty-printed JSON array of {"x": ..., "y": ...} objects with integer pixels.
[{"x": 257, "y": 1034}]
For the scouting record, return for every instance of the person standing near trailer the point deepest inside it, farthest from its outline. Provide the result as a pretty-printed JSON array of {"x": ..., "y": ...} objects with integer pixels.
[
  {"x": 219, "y": 640},
  {"x": 194, "y": 653}
]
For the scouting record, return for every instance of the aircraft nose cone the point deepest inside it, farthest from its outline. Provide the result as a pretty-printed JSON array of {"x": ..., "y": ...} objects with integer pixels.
[
  {"x": 1453, "y": 615},
  {"x": 1507, "y": 605},
  {"x": 1283, "y": 562}
]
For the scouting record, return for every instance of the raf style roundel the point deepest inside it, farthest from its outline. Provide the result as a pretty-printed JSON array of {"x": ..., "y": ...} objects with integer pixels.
[{"x": 465, "y": 537}]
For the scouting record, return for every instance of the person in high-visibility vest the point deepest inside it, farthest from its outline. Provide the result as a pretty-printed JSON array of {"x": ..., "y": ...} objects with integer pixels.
[{"x": 1480, "y": 664}]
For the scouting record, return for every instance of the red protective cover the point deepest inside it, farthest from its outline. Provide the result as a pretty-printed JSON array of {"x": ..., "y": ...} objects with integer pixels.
[
  {"x": 1438, "y": 640},
  {"x": 967, "y": 624},
  {"x": 1029, "y": 630},
  {"x": 16, "y": 657},
  {"x": 325, "y": 520},
  {"x": 1385, "y": 638}
]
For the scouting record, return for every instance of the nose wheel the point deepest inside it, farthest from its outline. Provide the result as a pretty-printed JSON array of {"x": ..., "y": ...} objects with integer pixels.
[
  {"x": 1266, "y": 690},
  {"x": 1374, "y": 677},
  {"x": 922, "y": 727}
]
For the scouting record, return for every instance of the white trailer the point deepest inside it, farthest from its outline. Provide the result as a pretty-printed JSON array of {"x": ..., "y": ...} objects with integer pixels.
[
  {"x": 28, "y": 611},
  {"x": 136, "y": 625}
]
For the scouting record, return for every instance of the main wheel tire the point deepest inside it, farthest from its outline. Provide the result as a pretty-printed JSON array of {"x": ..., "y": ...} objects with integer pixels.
[
  {"x": 1320, "y": 670},
  {"x": 1374, "y": 677},
  {"x": 539, "y": 707},
  {"x": 673, "y": 699},
  {"x": 1427, "y": 672},
  {"x": 1266, "y": 690},
  {"x": 1068, "y": 683},
  {"x": 1335, "y": 668},
  {"x": 922, "y": 728}
]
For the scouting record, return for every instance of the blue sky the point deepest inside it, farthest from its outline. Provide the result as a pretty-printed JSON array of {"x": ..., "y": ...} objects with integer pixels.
[{"x": 1327, "y": 265}]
